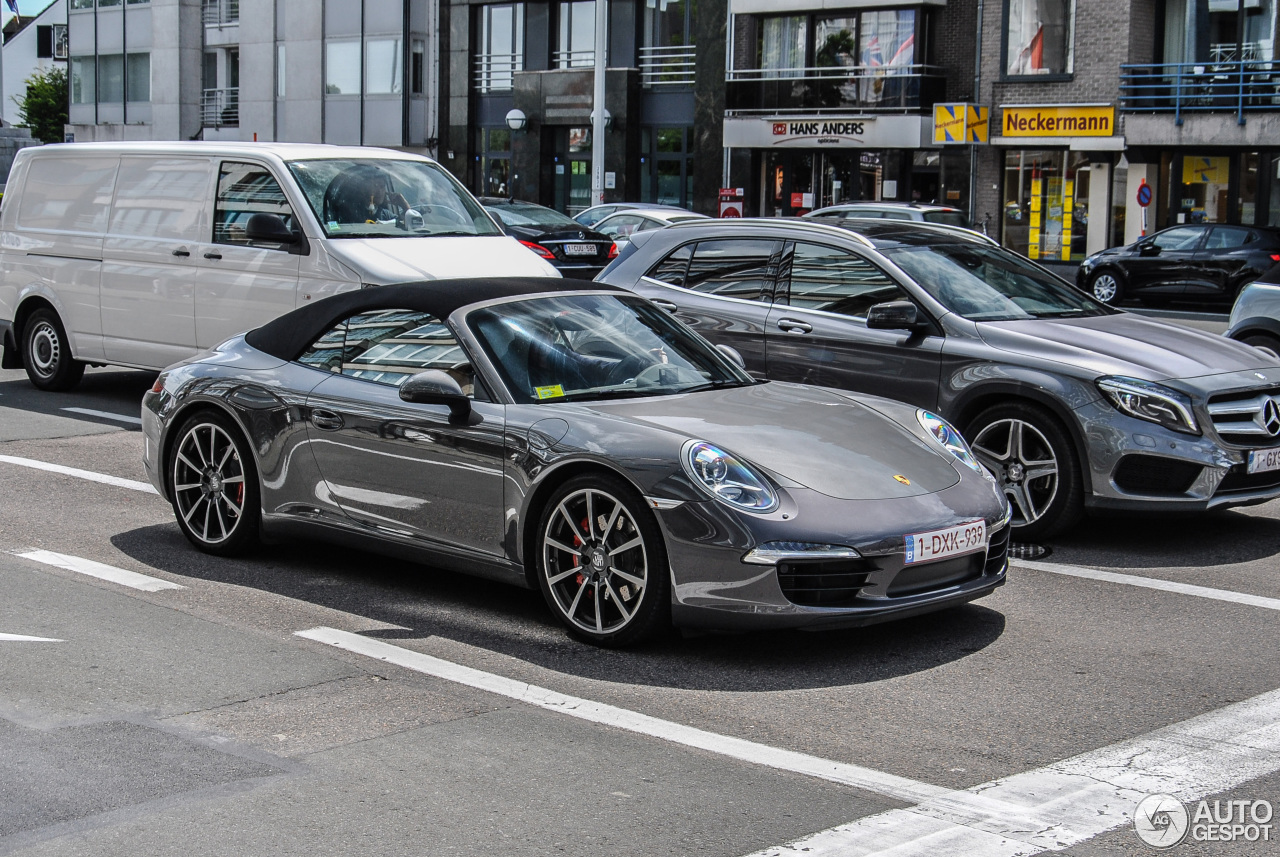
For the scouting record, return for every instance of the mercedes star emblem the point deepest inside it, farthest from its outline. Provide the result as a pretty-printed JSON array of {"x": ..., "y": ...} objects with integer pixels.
[{"x": 1271, "y": 417}]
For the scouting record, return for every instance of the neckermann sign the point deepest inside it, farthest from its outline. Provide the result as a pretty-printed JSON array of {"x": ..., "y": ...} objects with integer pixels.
[{"x": 840, "y": 132}]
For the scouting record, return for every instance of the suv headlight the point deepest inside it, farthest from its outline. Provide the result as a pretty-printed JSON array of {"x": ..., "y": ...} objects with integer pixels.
[
  {"x": 728, "y": 479},
  {"x": 950, "y": 440},
  {"x": 1151, "y": 402}
]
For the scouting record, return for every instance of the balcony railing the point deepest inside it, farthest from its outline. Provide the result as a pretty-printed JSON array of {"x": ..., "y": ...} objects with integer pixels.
[
  {"x": 496, "y": 72},
  {"x": 217, "y": 12},
  {"x": 1216, "y": 87},
  {"x": 668, "y": 66},
  {"x": 573, "y": 59},
  {"x": 220, "y": 107},
  {"x": 874, "y": 88}
]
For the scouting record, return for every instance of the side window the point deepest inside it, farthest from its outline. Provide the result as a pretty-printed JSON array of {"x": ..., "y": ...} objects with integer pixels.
[
  {"x": 389, "y": 347},
  {"x": 623, "y": 224},
  {"x": 1228, "y": 238},
  {"x": 674, "y": 268},
  {"x": 161, "y": 198},
  {"x": 896, "y": 215},
  {"x": 734, "y": 267},
  {"x": 838, "y": 281},
  {"x": 1182, "y": 238},
  {"x": 243, "y": 191}
]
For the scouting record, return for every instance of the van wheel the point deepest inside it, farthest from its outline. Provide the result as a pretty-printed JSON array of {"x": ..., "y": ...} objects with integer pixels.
[{"x": 46, "y": 353}]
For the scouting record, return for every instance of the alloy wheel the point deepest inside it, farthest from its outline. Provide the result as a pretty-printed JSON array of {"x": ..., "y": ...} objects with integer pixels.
[
  {"x": 209, "y": 483},
  {"x": 595, "y": 561},
  {"x": 1024, "y": 464},
  {"x": 1105, "y": 288}
]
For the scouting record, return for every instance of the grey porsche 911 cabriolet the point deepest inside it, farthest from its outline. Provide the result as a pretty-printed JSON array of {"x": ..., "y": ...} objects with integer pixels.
[{"x": 574, "y": 438}]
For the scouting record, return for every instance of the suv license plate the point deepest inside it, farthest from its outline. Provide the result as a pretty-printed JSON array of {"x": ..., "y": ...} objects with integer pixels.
[
  {"x": 940, "y": 544},
  {"x": 1262, "y": 460},
  {"x": 579, "y": 249}
]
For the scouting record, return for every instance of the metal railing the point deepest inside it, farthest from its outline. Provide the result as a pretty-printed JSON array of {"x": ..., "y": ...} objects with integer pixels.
[
  {"x": 220, "y": 107},
  {"x": 668, "y": 66},
  {"x": 496, "y": 72},
  {"x": 866, "y": 87},
  {"x": 217, "y": 12},
  {"x": 573, "y": 59},
  {"x": 1215, "y": 87}
]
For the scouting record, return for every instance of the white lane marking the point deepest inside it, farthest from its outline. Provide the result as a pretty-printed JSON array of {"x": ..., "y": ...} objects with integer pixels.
[
  {"x": 102, "y": 571},
  {"x": 106, "y": 415},
  {"x": 584, "y": 709},
  {"x": 22, "y": 638},
  {"x": 1153, "y": 583},
  {"x": 1074, "y": 800},
  {"x": 79, "y": 474}
]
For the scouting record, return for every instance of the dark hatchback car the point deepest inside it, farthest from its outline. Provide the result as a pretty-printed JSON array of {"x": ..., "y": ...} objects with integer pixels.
[
  {"x": 1208, "y": 262},
  {"x": 576, "y": 250}
]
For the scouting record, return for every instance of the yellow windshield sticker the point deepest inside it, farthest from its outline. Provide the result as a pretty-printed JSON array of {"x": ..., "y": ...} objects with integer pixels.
[{"x": 552, "y": 392}]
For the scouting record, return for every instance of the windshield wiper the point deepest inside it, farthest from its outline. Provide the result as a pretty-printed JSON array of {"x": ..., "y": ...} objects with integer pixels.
[
  {"x": 450, "y": 234},
  {"x": 625, "y": 393},
  {"x": 716, "y": 385}
]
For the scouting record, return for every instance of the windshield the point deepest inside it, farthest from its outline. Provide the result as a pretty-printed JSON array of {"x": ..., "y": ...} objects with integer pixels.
[
  {"x": 388, "y": 198},
  {"x": 587, "y": 347},
  {"x": 985, "y": 283},
  {"x": 528, "y": 214},
  {"x": 949, "y": 218}
]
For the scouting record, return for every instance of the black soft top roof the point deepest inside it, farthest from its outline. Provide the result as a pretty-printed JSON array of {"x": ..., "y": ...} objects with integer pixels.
[{"x": 291, "y": 334}]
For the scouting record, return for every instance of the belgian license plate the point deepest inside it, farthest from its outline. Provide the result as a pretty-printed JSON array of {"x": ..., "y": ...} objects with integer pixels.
[
  {"x": 1262, "y": 460},
  {"x": 940, "y": 544},
  {"x": 579, "y": 249}
]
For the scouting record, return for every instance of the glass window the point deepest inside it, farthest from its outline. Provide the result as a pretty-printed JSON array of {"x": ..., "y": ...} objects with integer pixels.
[
  {"x": 1228, "y": 238},
  {"x": 666, "y": 23},
  {"x": 1045, "y": 193},
  {"x": 326, "y": 352},
  {"x": 384, "y": 65},
  {"x": 342, "y": 68},
  {"x": 501, "y": 46},
  {"x": 161, "y": 198},
  {"x": 837, "y": 281},
  {"x": 83, "y": 85},
  {"x": 81, "y": 4},
  {"x": 1247, "y": 209},
  {"x": 734, "y": 267},
  {"x": 103, "y": 4},
  {"x": 1038, "y": 37},
  {"x": 280, "y": 70},
  {"x": 243, "y": 191},
  {"x": 418, "y": 67},
  {"x": 111, "y": 78},
  {"x": 139, "y": 77},
  {"x": 495, "y": 162},
  {"x": 782, "y": 43},
  {"x": 56, "y": 197},
  {"x": 1184, "y": 238},
  {"x": 621, "y": 225},
  {"x": 1202, "y": 197},
  {"x": 389, "y": 347},
  {"x": 575, "y": 47},
  {"x": 674, "y": 268},
  {"x": 1204, "y": 31}
]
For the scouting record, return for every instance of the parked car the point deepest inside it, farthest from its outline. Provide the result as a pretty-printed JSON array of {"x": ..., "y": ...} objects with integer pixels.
[
  {"x": 1072, "y": 404},
  {"x": 1255, "y": 316},
  {"x": 573, "y": 249},
  {"x": 593, "y": 215},
  {"x": 576, "y": 439},
  {"x": 1201, "y": 261},
  {"x": 893, "y": 211},
  {"x": 141, "y": 254},
  {"x": 621, "y": 225}
]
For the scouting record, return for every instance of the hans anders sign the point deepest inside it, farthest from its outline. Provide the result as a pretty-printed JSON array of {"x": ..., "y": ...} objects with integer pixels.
[
  {"x": 1058, "y": 120},
  {"x": 826, "y": 131}
]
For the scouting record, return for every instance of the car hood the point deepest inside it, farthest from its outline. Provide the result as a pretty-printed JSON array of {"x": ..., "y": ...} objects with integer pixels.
[
  {"x": 398, "y": 260},
  {"x": 818, "y": 438},
  {"x": 1125, "y": 344}
]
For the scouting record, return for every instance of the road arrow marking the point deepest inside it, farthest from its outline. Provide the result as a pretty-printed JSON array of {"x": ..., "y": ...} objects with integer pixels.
[{"x": 19, "y": 638}]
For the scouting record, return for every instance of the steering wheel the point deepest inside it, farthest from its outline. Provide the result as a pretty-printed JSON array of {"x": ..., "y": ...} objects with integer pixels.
[
  {"x": 442, "y": 211},
  {"x": 652, "y": 376}
]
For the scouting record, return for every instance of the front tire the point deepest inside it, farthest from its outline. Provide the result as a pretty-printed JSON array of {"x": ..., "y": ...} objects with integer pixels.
[
  {"x": 1105, "y": 286},
  {"x": 1035, "y": 464},
  {"x": 1264, "y": 342},
  {"x": 601, "y": 562},
  {"x": 213, "y": 485},
  {"x": 46, "y": 353}
]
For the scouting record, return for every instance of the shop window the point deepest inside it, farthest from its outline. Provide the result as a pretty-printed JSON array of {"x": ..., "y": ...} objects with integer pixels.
[
  {"x": 1038, "y": 37},
  {"x": 1203, "y": 193},
  {"x": 1045, "y": 195},
  {"x": 837, "y": 281}
]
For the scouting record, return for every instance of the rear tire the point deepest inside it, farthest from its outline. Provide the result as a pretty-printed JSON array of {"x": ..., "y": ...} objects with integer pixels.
[
  {"x": 1264, "y": 342},
  {"x": 46, "y": 353},
  {"x": 1105, "y": 286},
  {"x": 213, "y": 485}
]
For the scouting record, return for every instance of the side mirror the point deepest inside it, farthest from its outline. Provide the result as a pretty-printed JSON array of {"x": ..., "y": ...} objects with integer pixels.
[
  {"x": 434, "y": 387},
  {"x": 1148, "y": 249},
  {"x": 733, "y": 354},
  {"x": 894, "y": 315},
  {"x": 269, "y": 228}
]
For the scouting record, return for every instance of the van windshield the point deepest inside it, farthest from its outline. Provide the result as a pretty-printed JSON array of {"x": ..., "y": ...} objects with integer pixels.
[{"x": 388, "y": 198}]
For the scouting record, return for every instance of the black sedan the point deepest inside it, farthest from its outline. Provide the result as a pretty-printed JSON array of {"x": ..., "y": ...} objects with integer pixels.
[
  {"x": 576, "y": 439},
  {"x": 1194, "y": 262},
  {"x": 576, "y": 250}
]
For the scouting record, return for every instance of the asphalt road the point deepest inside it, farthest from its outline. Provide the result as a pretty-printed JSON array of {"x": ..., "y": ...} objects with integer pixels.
[{"x": 446, "y": 715}]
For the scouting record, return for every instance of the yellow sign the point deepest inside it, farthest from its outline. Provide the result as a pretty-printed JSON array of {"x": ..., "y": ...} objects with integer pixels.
[
  {"x": 1200, "y": 170},
  {"x": 1059, "y": 120},
  {"x": 553, "y": 392},
  {"x": 960, "y": 123}
]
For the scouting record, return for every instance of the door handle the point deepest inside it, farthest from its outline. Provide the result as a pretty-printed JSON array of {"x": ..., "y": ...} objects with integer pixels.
[
  {"x": 327, "y": 420},
  {"x": 182, "y": 251},
  {"x": 791, "y": 325},
  {"x": 667, "y": 305},
  {"x": 213, "y": 255}
]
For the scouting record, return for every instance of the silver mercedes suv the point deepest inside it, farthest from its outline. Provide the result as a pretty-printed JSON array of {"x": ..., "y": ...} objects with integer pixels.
[{"x": 1072, "y": 404}]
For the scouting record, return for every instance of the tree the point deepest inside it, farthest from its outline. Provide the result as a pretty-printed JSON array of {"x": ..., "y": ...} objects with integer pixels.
[{"x": 44, "y": 109}]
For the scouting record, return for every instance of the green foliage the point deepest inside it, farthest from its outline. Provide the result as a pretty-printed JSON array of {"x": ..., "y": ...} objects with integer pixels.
[{"x": 44, "y": 109}]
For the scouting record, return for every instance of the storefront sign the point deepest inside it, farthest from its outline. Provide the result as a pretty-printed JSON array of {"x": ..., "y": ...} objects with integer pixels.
[
  {"x": 960, "y": 123},
  {"x": 1058, "y": 120},
  {"x": 895, "y": 132}
]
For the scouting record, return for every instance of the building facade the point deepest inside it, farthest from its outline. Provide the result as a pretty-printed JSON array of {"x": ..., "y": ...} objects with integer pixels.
[{"x": 31, "y": 44}]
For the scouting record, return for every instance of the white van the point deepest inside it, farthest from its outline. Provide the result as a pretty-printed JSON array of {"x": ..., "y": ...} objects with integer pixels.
[{"x": 143, "y": 254}]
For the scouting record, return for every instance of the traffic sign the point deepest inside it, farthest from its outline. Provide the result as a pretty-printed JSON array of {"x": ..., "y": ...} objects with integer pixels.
[{"x": 1144, "y": 194}]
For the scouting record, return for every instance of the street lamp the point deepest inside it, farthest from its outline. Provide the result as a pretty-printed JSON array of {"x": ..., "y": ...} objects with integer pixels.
[
  {"x": 608, "y": 119},
  {"x": 516, "y": 120}
]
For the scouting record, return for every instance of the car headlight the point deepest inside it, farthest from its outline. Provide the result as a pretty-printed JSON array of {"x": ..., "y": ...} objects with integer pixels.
[
  {"x": 1151, "y": 402},
  {"x": 950, "y": 440},
  {"x": 729, "y": 480}
]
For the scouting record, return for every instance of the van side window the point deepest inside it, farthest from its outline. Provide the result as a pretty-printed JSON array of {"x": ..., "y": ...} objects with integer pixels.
[
  {"x": 243, "y": 191},
  {"x": 161, "y": 198},
  {"x": 72, "y": 194}
]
